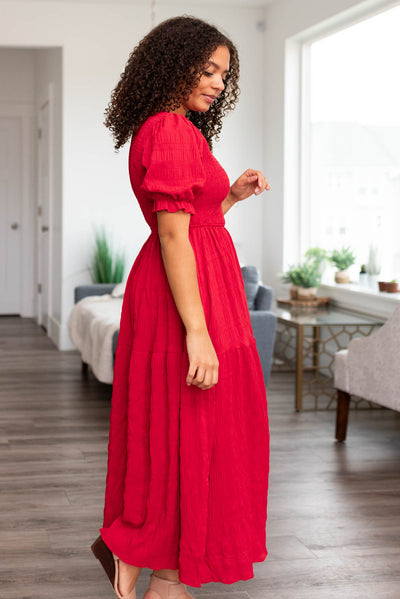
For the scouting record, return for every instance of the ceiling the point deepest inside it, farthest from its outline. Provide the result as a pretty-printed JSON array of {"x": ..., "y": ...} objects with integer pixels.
[{"x": 249, "y": 3}]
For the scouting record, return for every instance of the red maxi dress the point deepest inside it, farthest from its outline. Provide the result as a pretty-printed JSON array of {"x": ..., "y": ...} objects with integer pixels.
[{"x": 187, "y": 470}]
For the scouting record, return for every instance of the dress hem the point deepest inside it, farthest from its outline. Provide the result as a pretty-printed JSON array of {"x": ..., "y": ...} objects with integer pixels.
[{"x": 196, "y": 572}]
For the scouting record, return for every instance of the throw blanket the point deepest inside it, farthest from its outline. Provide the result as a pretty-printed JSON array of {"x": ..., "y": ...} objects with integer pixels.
[{"x": 91, "y": 326}]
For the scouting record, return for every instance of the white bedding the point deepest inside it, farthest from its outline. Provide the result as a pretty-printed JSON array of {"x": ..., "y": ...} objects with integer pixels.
[{"x": 91, "y": 326}]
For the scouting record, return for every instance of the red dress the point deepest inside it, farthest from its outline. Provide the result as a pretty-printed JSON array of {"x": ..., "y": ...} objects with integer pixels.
[{"x": 187, "y": 471}]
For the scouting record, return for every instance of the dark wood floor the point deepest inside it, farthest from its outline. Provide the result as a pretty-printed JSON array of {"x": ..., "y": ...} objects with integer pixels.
[{"x": 334, "y": 509}]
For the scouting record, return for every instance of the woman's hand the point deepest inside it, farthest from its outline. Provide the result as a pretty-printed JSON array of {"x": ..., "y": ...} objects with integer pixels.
[
  {"x": 203, "y": 360},
  {"x": 250, "y": 182}
]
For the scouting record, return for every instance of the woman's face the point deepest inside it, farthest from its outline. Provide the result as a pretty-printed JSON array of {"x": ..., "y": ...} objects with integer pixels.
[{"x": 211, "y": 84}]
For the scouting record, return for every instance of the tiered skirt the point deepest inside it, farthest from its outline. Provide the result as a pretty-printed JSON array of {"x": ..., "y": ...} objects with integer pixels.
[{"x": 187, "y": 471}]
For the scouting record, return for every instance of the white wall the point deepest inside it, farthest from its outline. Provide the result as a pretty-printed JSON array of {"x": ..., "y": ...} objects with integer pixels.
[
  {"x": 289, "y": 21},
  {"x": 48, "y": 88},
  {"x": 96, "y": 40}
]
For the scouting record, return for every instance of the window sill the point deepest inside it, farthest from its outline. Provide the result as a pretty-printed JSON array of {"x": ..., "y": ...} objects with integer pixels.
[{"x": 361, "y": 299}]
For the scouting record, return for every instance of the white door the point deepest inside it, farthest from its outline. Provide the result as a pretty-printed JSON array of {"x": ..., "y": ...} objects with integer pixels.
[
  {"x": 10, "y": 214},
  {"x": 44, "y": 216}
]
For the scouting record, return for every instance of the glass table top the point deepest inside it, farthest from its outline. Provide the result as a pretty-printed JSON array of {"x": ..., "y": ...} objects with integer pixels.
[{"x": 324, "y": 316}]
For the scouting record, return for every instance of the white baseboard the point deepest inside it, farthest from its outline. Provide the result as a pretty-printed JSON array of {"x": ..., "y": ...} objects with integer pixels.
[{"x": 58, "y": 333}]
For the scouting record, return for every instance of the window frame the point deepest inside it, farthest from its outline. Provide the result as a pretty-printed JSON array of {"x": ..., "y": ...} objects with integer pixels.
[{"x": 296, "y": 196}]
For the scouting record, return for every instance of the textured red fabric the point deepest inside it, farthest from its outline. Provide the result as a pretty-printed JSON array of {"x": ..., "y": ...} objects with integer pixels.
[{"x": 187, "y": 471}]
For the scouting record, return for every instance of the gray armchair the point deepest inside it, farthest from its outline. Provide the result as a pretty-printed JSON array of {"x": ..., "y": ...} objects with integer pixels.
[
  {"x": 259, "y": 300},
  {"x": 369, "y": 369},
  {"x": 263, "y": 321}
]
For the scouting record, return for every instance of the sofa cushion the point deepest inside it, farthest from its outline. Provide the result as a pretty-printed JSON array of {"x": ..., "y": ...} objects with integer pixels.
[{"x": 251, "y": 278}]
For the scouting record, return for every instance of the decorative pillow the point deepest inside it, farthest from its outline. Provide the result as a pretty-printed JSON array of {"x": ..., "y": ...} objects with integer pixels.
[
  {"x": 118, "y": 290},
  {"x": 251, "y": 277}
]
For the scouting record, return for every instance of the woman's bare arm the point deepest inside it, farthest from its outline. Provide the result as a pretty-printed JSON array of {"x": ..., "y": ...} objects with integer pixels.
[
  {"x": 227, "y": 203},
  {"x": 180, "y": 267}
]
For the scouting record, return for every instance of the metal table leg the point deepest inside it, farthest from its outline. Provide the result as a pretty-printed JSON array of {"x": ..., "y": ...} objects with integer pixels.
[{"x": 299, "y": 368}]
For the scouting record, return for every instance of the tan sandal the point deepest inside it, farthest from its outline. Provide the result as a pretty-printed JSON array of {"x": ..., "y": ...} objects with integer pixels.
[
  {"x": 132, "y": 594},
  {"x": 167, "y": 589},
  {"x": 104, "y": 555},
  {"x": 109, "y": 561}
]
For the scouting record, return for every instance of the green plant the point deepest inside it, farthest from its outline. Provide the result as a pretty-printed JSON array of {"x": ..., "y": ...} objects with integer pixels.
[
  {"x": 306, "y": 274},
  {"x": 104, "y": 267},
  {"x": 343, "y": 258},
  {"x": 317, "y": 254},
  {"x": 393, "y": 281}
]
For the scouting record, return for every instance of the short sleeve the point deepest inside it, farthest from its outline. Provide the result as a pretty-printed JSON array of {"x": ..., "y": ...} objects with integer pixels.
[{"x": 174, "y": 169}]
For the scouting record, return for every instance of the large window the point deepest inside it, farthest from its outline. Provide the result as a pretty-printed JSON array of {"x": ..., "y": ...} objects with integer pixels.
[{"x": 354, "y": 139}]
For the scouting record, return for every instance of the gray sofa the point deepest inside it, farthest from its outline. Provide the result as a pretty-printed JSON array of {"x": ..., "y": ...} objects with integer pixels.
[
  {"x": 96, "y": 289},
  {"x": 259, "y": 301}
]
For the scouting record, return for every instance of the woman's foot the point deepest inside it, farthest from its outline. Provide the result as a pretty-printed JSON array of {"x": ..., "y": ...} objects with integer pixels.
[
  {"x": 167, "y": 574},
  {"x": 165, "y": 583},
  {"x": 128, "y": 576}
]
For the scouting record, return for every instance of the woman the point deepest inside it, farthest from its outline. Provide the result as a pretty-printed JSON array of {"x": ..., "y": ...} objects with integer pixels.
[{"x": 188, "y": 454}]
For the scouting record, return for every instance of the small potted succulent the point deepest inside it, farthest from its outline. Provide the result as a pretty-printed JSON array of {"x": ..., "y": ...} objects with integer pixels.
[
  {"x": 363, "y": 276},
  {"x": 392, "y": 286},
  {"x": 382, "y": 285},
  {"x": 305, "y": 279},
  {"x": 389, "y": 286},
  {"x": 342, "y": 259}
]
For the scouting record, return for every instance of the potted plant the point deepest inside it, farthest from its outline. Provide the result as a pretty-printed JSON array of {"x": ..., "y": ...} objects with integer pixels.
[
  {"x": 392, "y": 286},
  {"x": 382, "y": 285},
  {"x": 318, "y": 255},
  {"x": 389, "y": 286},
  {"x": 305, "y": 277},
  {"x": 106, "y": 268},
  {"x": 363, "y": 276},
  {"x": 342, "y": 259},
  {"x": 292, "y": 276}
]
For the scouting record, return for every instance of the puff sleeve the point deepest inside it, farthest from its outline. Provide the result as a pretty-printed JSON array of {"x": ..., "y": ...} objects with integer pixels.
[{"x": 174, "y": 169}]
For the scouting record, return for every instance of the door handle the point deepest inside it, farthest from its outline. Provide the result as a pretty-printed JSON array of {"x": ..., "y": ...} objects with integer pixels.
[
  {"x": 15, "y": 226},
  {"x": 44, "y": 228}
]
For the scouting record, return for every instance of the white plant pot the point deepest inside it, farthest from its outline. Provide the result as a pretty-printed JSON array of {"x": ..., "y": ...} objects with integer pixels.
[
  {"x": 306, "y": 293},
  {"x": 373, "y": 282},
  {"x": 342, "y": 276}
]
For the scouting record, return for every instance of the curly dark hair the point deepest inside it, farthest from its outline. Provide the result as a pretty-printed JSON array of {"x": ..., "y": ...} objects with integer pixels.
[{"x": 161, "y": 72}]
